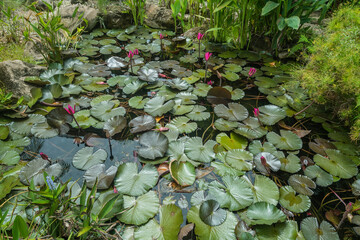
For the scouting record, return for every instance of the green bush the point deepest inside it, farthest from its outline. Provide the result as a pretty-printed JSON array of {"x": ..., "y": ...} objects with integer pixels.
[{"x": 332, "y": 74}]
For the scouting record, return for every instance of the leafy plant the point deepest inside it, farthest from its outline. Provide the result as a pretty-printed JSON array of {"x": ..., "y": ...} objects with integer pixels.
[
  {"x": 6, "y": 100},
  {"x": 137, "y": 9}
]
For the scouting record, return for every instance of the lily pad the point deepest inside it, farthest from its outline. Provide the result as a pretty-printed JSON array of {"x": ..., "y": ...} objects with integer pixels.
[
  {"x": 43, "y": 130},
  {"x": 104, "y": 110},
  {"x": 218, "y": 95},
  {"x": 141, "y": 209},
  {"x": 265, "y": 190},
  {"x": 182, "y": 172},
  {"x": 302, "y": 184},
  {"x": 147, "y": 75},
  {"x": 201, "y": 89},
  {"x": 323, "y": 178},
  {"x": 24, "y": 127},
  {"x": 234, "y": 112},
  {"x": 337, "y": 164},
  {"x": 320, "y": 145},
  {"x": 97, "y": 172},
  {"x": 233, "y": 142},
  {"x": 279, "y": 231},
  {"x": 183, "y": 125},
  {"x": 265, "y": 162},
  {"x": 84, "y": 119},
  {"x": 154, "y": 145},
  {"x": 291, "y": 201},
  {"x": 198, "y": 113},
  {"x": 85, "y": 158},
  {"x": 312, "y": 231},
  {"x": 251, "y": 128},
  {"x": 235, "y": 194},
  {"x": 197, "y": 151},
  {"x": 138, "y": 102},
  {"x": 237, "y": 158},
  {"x": 116, "y": 63},
  {"x": 109, "y": 49},
  {"x": 157, "y": 106},
  {"x": 225, "y": 125},
  {"x": 211, "y": 213},
  {"x": 290, "y": 164},
  {"x": 10, "y": 157},
  {"x": 287, "y": 141},
  {"x": 180, "y": 109},
  {"x": 256, "y": 147},
  {"x": 236, "y": 94},
  {"x": 131, "y": 182},
  {"x": 271, "y": 114},
  {"x": 115, "y": 125},
  {"x": 263, "y": 213},
  {"x": 142, "y": 123}
]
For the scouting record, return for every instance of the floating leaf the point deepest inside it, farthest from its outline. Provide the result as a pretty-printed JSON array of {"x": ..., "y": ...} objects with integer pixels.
[
  {"x": 34, "y": 170},
  {"x": 211, "y": 213},
  {"x": 183, "y": 125},
  {"x": 231, "y": 76},
  {"x": 233, "y": 142},
  {"x": 312, "y": 231},
  {"x": 104, "y": 110},
  {"x": 170, "y": 221},
  {"x": 133, "y": 87},
  {"x": 10, "y": 157},
  {"x": 141, "y": 209},
  {"x": 292, "y": 202},
  {"x": 154, "y": 145},
  {"x": 238, "y": 159},
  {"x": 182, "y": 172},
  {"x": 235, "y": 112},
  {"x": 265, "y": 190},
  {"x": 337, "y": 164},
  {"x": 147, "y": 75},
  {"x": 225, "y": 125},
  {"x": 218, "y": 95},
  {"x": 178, "y": 84},
  {"x": 271, "y": 114},
  {"x": 115, "y": 125},
  {"x": 320, "y": 145},
  {"x": 323, "y": 178},
  {"x": 201, "y": 89},
  {"x": 84, "y": 119},
  {"x": 198, "y": 113},
  {"x": 302, "y": 184},
  {"x": 251, "y": 128},
  {"x": 197, "y": 151},
  {"x": 235, "y": 194},
  {"x": 142, "y": 123},
  {"x": 138, "y": 102},
  {"x": 109, "y": 49},
  {"x": 287, "y": 141},
  {"x": 256, "y": 147},
  {"x": 24, "y": 127},
  {"x": 179, "y": 109},
  {"x": 263, "y": 213},
  {"x": 222, "y": 169},
  {"x": 290, "y": 164},
  {"x": 116, "y": 63},
  {"x": 98, "y": 173},
  {"x": 85, "y": 158},
  {"x": 157, "y": 106},
  {"x": 43, "y": 130},
  {"x": 236, "y": 94},
  {"x": 271, "y": 163},
  {"x": 278, "y": 231}
]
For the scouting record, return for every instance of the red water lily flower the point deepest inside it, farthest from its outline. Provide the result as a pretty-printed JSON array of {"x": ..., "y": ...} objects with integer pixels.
[
  {"x": 70, "y": 110},
  {"x": 207, "y": 56}
]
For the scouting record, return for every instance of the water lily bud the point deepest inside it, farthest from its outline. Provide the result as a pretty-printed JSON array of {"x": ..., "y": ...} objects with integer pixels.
[
  {"x": 252, "y": 71},
  {"x": 256, "y": 112},
  {"x": 200, "y": 36},
  {"x": 136, "y": 52},
  {"x": 207, "y": 56},
  {"x": 161, "y": 36},
  {"x": 130, "y": 54}
]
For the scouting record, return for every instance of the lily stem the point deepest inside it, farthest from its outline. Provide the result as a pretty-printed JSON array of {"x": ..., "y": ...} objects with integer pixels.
[{"x": 111, "y": 154}]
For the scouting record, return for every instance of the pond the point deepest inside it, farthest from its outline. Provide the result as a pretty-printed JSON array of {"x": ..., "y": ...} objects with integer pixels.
[{"x": 163, "y": 135}]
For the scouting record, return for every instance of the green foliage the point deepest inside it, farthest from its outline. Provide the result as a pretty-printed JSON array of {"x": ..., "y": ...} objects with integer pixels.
[
  {"x": 6, "y": 101},
  {"x": 137, "y": 9},
  {"x": 10, "y": 22},
  {"x": 54, "y": 36},
  {"x": 14, "y": 51},
  {"x": 332, "y": 74}
]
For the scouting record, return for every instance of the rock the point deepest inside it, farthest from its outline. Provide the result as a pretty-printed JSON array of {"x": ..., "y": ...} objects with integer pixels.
[
  {"x": 89, "y": 13},
  {"x": 193, "y": 32},
  {"x": 33, "y": 50},
  {"x": 13, "y": 73},
  {"x": 117, "y": 17},
  {"x": 158, "y": 17}
]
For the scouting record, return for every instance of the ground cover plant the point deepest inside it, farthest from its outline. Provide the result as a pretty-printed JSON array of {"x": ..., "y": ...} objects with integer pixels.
[{"x": 146, "y": 135}]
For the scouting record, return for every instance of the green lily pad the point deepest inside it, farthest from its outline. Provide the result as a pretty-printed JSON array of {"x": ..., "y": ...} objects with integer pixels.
[
  {"x": 312, "y": 231},
  {"x": 10, "y": 157},
  {"x": 141, "y": 209},
  {"x": 170, "y": 221},
  {"x": 235, "y": 112},
  {"x": 265, "y": 190},
  {"x": 98, "y": 173},
  {"x": 337, "y": 164},
  {"x": 197, "y": 151},
  {"x": 104, "y": 110},
  {"x": 84, "y": 119},
  {"x": 323, "y": 178},
  {"x": 236, "y": 94},
  {"x": 231, "y": 76},
  {"x": 188, "y": 59},
  {"x": 287, "y": 141},
  {"x": 7, "y": 183},
  {"x": 235, "y": 194},
  {"x": 85, "y": 158},
  {"x": 154, "y": 145},
  {"x": 204, "y": 232},
  {"x": 291, "y": 201},
  {"x": 147, "y": 75},
  {"x": 265, "y": 82},
  {"x": 211, "y": 213},
  {"x": 251, "y": 128},
  {"x": 233, "y": 142},
  {"x": 355, "y": 186},
  {"x": 290, "y": 164},
  {"x": 71, "y": 90},
  {"x": 43, "y": 130},
  {"x": 182, "y": 172},
  {"x": 131, "y": 182},
  {"x": 265, "y": 162},
  {"x": 233, "y": 67},
  {"x": 183, "y": 124},
  {"x": 198, "y": 113},
  {"x": 279, "y": 231},
  {"x": 173, "y": 133},
  {"x": 263, "y": 213},
  {"x": 94, "y": 84},
  {"x": 256, "y": 147},
  {"x": 222, "y": 169},
  {"x": 302, "y": 184},
  {"x": 24, "y": 127},
  {"x": 142, "y": 123},
  {"x": 157, "y": 106},
  {"x": 279, "y": 101},
  {"x": 138, "y": 102},
  {"x": 237, "y": 158},
  {"x": 180, "y": 109},
  {"x": 176, "y": 151},
  {"x": 114, "y": 125},
  {"x": 225, "y": 125},
  {"x": 4, "y": 132},
  {"x": 109, "y": 49},
  {"x": 100, "y": 99},
  {"x": 228, "y": 54},
  {"x": 271, "y": 114},
  {"x": 201, "y": 89},
  {"x": 106, "y": 198},
  {"x": 187, "y": 98},
  {"x": 89, "y": 51}
]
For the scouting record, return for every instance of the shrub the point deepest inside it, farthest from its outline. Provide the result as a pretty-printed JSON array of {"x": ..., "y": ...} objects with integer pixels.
[{"x": 332, "y": 73}]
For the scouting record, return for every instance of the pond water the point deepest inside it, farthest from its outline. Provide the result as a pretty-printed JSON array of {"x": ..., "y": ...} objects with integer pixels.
[{"x": 246, "y": 143}]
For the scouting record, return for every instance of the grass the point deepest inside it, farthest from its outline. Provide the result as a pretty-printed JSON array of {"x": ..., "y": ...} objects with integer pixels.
[{"x": 12, "y": 51}]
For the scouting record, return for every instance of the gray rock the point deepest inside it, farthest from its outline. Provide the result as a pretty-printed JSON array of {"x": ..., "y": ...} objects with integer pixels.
[
  {"x": 193, "y": 32},
  {"x": 13, "y": 73},
  {"x": 158, "y": 17},
  {"x": 117, "y": 17},
  {"x": 89, "y": 13}
]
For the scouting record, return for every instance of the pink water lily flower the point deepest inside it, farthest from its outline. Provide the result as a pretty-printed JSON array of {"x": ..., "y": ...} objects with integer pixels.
[
  {"x": 70, "y": 110},
  {"x": 115, "y": 190},
  {"x": 130, "y": 54},
  {"x": 207, "y": 56},
  {"x": 252, "y": 71},
  {"x": 210, "y": 83},
  {"x": 200, "y": 36},
  {"x": 101, "y": 83},
  {"x": 161, "y": 36},
  {"x": 136, "y": 52},
  {"x": 256, "y": 112}
]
